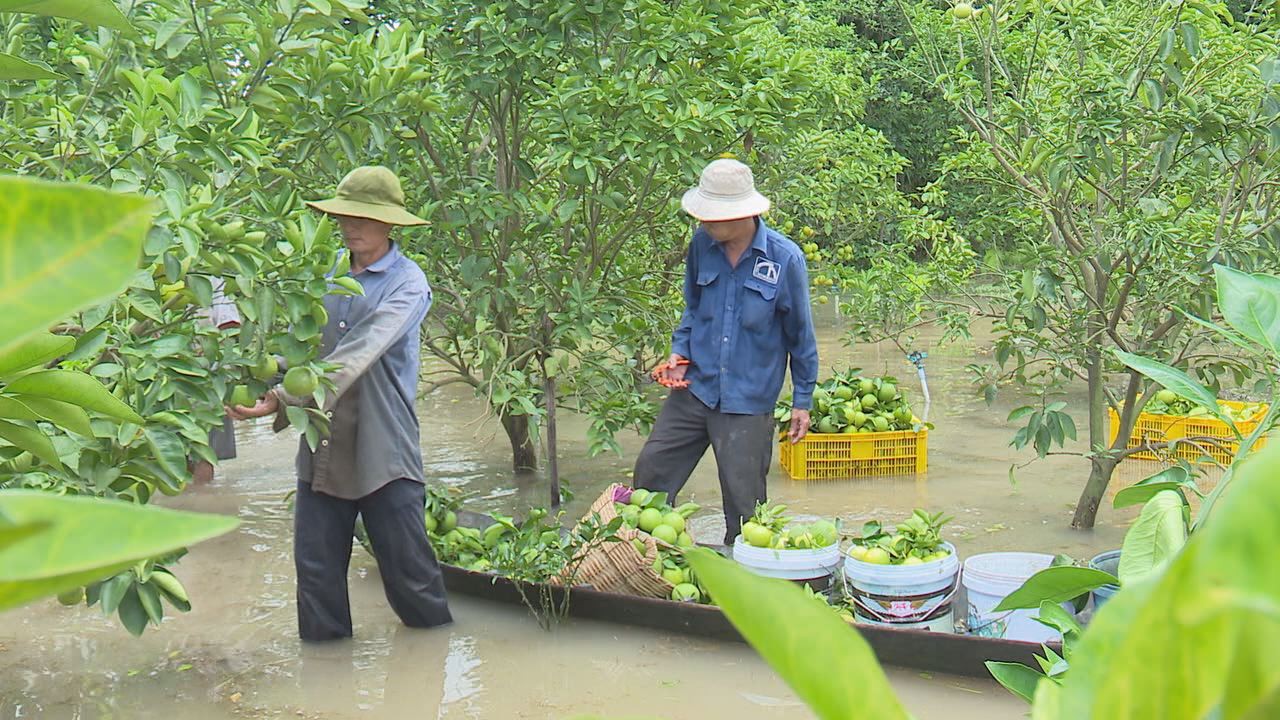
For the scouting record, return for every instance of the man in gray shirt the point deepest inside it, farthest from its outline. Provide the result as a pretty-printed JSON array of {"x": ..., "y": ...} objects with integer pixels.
[{"x": 370, "y": 464}]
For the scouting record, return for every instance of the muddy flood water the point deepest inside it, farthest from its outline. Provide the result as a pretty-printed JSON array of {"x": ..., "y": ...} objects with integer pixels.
[{"x": 236, "y": 655}]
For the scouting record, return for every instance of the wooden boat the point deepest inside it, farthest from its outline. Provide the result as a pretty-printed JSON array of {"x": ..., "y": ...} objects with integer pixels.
[{"x": 921, "y": 650}]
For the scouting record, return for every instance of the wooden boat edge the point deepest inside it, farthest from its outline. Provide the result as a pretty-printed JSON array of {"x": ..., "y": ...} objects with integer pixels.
[{"x": 916, "y": 649}]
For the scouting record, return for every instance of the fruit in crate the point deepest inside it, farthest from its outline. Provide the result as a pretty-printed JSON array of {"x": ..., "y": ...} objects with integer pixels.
[
  {"x": 848, "y": 403},
  {"x": 916, "y": 541}
]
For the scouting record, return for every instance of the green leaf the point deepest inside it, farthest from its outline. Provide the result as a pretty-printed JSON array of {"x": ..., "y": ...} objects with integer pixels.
[
  {"x": 1171, "y": 378},
  {"x": 132, "y": 614},
  {"x": 1016, "y": 678},
  {"x": 1251, "y": 305},
  {"x": 13, "y": 67},
  {"x": 1053, "y": 615},
  {"x": 88, "y": 249},
  {"x": 63, "y": 414},
  {"x": 71, "y": 551},
  {"x": 1057, "y": 585},
  {"x": 35, "y": 350},
  {"x": 75, "y": 388},
  {"x": 808, "y": 645},
  {"x": 1211, "y": 621},
  {"x": 10, "y": 534},
  {"x": 103, "y": 13},
  {"x": 1171, "y": 478},
  {"x": 150, "y": 598},
  {"x": 1157, "y": 536},
  {"x": 31, "y": 440}
]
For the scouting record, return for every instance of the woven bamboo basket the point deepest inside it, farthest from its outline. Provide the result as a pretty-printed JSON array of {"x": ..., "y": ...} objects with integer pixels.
[{"x": 618, "y": 566}]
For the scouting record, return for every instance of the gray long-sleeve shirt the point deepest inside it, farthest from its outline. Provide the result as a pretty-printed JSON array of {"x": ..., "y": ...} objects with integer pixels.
[{"x": 373, "y": 432}]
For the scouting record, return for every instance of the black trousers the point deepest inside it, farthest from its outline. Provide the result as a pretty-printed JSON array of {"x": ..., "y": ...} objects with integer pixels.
[
  {"x": 393, "y": 517},
  {"x": 743, "y": 445}
]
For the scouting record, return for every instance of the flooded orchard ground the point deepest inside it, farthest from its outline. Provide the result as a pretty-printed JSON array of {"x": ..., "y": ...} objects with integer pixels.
[{"x": 236, "y": 654}]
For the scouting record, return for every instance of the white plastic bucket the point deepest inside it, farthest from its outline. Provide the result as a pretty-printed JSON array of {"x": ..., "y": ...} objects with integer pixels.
[
  {"x": 909, "y": 596},
  {"x": 990, "y": 578},
  {"x": 789, "y": 564}
]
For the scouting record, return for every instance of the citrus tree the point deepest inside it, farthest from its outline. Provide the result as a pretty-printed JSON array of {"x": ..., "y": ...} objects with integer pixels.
[
  {"x": 548, "y": 143},
  {"x": 1144, "y": 137},
  {"x": 178, "y": 106}
]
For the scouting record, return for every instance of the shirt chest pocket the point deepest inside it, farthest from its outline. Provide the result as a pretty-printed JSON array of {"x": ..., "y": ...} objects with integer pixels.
[
  {"x": 759, "y": 304},
  {"x": 709, "y": 293}
]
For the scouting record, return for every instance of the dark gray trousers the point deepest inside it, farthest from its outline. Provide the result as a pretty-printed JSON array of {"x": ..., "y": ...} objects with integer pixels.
[
  {"x": 743, "y": 445},
  {"x": 393, "y": 517}
]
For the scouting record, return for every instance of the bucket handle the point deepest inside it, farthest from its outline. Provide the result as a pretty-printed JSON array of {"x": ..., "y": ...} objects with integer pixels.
[{"x": 951, "y": 593}]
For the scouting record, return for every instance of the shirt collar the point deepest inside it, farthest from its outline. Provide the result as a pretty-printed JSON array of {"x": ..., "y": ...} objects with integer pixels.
[
  {"x": 761, "y": 240},
  {"x": 384, "y": 263}
]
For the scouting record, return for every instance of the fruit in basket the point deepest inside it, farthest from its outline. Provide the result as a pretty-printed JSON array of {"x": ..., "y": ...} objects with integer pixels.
[
  {"x": 869, "y": 401},
  {"x": 666, "y": 534},
  {"x": 630, "y": 515},
  {"x": 880, "y": 423},
  {"x": 639, "y": 497},
  {"x": 675, "y": 576},
  {"x": 684, "y": 541},
  {"x": 858, "y": 552},
  {"x": 686, "y": 592},
  {"x": 1167, "y": 396},
  {"x": 675, "y": 521},
  {"x": 650, "y": 518},
  {"x": 449, "y": 522}
]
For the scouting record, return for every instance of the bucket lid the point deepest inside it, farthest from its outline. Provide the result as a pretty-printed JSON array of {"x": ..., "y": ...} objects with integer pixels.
[{"x": 1008, "y": 569}]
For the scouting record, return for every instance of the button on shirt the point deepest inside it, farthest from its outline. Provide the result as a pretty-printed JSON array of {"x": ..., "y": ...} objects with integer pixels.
[
  {"x": 373, "y": 427},
  {"x": 741, "y": 325}
]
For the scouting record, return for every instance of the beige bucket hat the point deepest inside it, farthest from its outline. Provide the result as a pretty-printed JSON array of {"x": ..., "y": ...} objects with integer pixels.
[
  {"x": 726, "y": 191},
  {"x": 371, "y": 192}
]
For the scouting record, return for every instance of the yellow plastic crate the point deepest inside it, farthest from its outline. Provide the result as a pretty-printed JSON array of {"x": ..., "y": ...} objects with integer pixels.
[
  {"x": 1152, "y": 428},
  {"x": 837, "y": 456}
]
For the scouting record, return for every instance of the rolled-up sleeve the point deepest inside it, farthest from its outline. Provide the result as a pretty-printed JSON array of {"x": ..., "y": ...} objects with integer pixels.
[{"x": 797, "y": 329}]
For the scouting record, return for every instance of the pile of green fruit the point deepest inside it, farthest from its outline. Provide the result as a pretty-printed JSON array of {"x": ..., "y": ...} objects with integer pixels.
[
  {"x": 1168, "y": 402},
  {"x": 917, "y": 541},
  {"x": 849, "y": 403},
  {"x": 649, "y": 512},
  {"x": 769, "y": 528}
]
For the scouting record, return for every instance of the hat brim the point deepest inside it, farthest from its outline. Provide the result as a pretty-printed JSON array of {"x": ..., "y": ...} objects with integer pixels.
[
  {"x": 709, "y": 209},
  {"x": 388, "y": 214}
]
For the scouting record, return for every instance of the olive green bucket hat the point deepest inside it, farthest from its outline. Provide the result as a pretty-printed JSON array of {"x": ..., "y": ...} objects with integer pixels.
[{"x": 371, "y": 192}]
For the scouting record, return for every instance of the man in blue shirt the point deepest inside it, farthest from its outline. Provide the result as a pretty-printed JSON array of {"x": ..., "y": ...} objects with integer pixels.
[{"x": 746, "y": 316}]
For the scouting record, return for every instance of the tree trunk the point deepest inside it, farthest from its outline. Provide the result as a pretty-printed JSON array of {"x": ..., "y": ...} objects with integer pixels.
[
  {"x": 1094, "y": 490},
  {"x": 1102, "y": 466},
  {"x": 524, "y": 454},
  {"x": 553, "y": 467}
]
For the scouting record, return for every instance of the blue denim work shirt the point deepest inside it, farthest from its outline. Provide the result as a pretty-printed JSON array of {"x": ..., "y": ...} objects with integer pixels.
[
  {"x": 373, "y": 423},
  {"x": 741, "y": 325}
]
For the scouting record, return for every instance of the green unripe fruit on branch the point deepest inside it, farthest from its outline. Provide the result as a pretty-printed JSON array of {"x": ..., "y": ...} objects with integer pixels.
[{"x": 300, "y": 381}]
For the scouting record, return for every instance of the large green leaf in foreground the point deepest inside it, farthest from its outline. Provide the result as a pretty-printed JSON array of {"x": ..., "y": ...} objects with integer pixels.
[
  {"x": 1199, "y": 637},
  {"x": 825, "y": 661},
  {"x": 62, "y": 247},
  {"x": 84, "y": 539}
]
